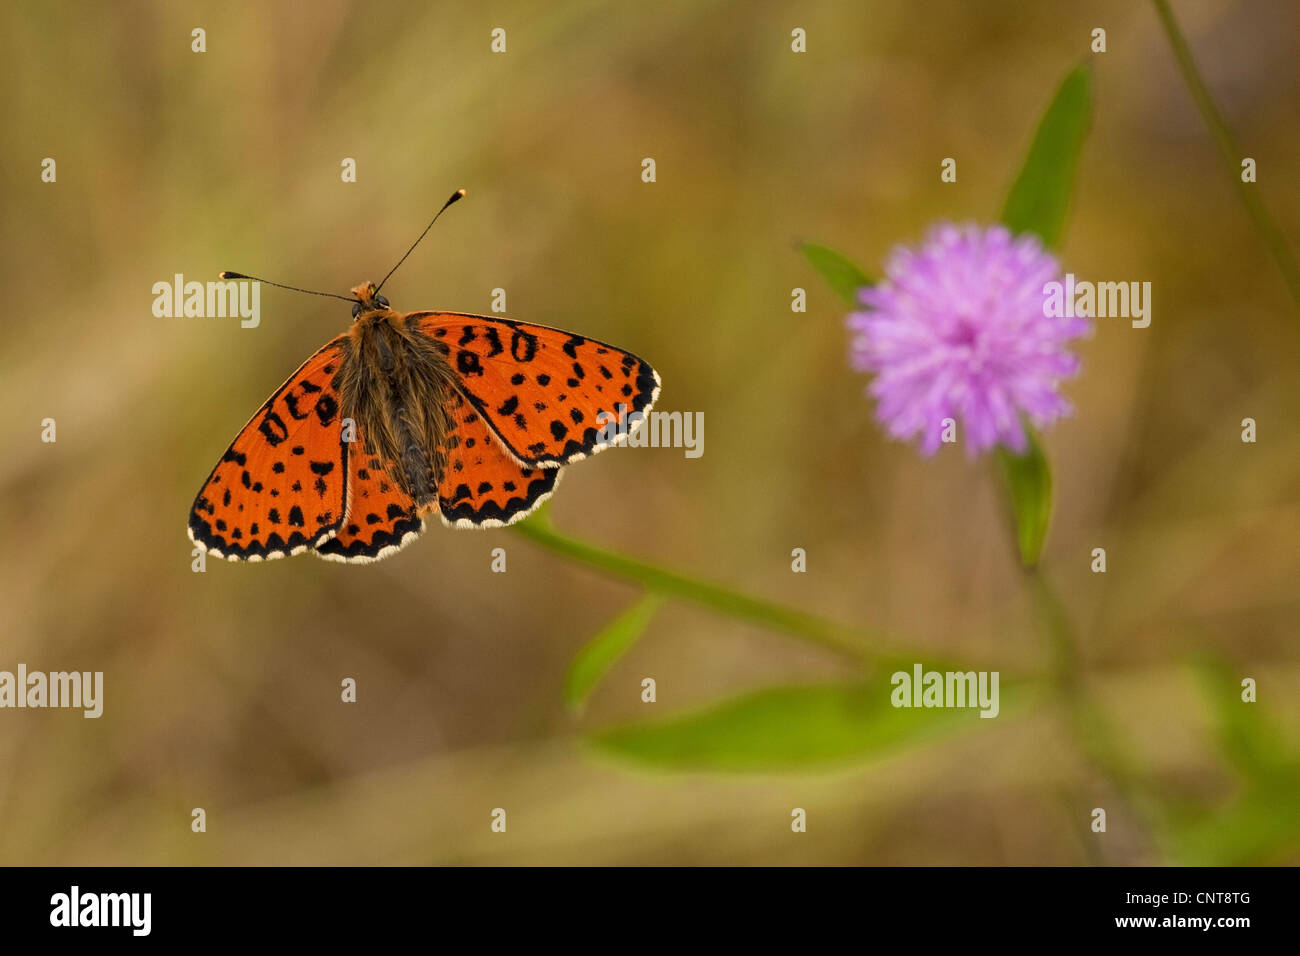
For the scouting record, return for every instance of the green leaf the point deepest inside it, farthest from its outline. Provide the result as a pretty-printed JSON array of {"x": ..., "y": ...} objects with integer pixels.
[
  {"x": 843, "y": 276},
  {"x": 1027, "y": 479},
  {"x": 1260, "y": 821},
  {"x": 599, "y": 654},
  {"x": 1261, "y": 827},
  {"x": 787, "y": 728},
  {"x": 1249, "y": 735},
  {"x": 1041, "y": 193},
  {"x": 1037, "y": 203}
]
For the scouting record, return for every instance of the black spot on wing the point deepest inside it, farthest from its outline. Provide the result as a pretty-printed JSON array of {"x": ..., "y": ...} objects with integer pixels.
[
  {"x": 467, "y": 363},
  {"x": 272, "y": 429},
  {"x": 291, "y": 403},
  {"x": 326, "y": 409},
  {"x": 523, "y": 345}
]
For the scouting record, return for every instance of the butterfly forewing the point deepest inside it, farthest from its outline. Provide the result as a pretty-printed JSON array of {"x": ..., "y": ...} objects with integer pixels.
[
  {"x": 281, "y": 487},
  {"x": 551, "y": 397}
]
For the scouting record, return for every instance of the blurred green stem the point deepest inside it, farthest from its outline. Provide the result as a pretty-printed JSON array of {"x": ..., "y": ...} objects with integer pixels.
[
  {"x": 1092, "y": 730},
  {"x": 1060, "y": 634},
  {"x": 1268, "y": 229},
  {"x": 843, "y": 640}
]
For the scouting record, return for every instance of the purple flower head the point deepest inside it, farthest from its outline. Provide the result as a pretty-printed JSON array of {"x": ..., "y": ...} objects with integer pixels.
[{"x": 957, "y": 330}]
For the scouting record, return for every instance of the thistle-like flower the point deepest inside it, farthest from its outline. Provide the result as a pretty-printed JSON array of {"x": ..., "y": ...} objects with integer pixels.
[{"x": 957, "y": 330}]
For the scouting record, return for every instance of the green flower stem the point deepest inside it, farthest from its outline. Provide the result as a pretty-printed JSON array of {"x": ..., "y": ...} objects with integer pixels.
[
  {"x": 1091, "y": 729},
  {"x": 1268, "y": 229},
  {"x": 1059, "y": 631},
  {"x": 846, "y": 641}
]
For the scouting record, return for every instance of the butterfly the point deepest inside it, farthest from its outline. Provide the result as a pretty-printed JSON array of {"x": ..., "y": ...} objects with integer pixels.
[{"x": 407, "y": 414}]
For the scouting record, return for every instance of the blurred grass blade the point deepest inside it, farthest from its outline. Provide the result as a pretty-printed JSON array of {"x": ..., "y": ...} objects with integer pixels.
[
  {"x": 1259, "y": 822},
  {"x": 1248, "y": 735},
  {"x": 541, "y": 518},
  {"x": 599, "y": 654},
  {"x": 787, "y": 728},
  {"x": 874, "y": 650},
  {"x": 1259, "y": 827},
  {"x": 843, "y": 276},
  {"x": 852, "y": 643},
  {"x": 1040, "y": 195},
  {"x": 1027, "y": 479},
  {"x": 1230, "y": 152}
]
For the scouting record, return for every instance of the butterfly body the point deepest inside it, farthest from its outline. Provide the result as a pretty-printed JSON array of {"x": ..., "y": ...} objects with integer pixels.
[
  {"x": 395, "y": 382},
  {"x": 408, "y": 414}
]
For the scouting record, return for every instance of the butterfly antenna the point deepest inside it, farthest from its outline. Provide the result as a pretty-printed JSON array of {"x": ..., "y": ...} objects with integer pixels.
[
  {"x": 291, "y": 288},
  {"x": 454, "y": 196}
]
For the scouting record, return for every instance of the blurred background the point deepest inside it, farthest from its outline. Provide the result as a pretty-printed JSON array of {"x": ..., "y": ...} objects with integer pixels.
[{"x": 222, "y": 688}]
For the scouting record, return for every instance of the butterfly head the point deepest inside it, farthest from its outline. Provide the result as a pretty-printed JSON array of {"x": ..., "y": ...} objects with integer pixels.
[{"x": 368, "y": 299}]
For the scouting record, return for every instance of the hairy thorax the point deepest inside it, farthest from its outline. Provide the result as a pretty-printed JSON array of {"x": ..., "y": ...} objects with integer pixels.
[{"x": 395, "y": 383}]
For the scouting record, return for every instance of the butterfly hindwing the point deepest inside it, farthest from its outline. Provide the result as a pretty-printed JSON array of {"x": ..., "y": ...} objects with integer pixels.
[
  {"x": 281, "y": 487},
  {"x": 550, "y": 396},
  {"x": 381, "y": 518},
  {"x": 482, "y": 486}
]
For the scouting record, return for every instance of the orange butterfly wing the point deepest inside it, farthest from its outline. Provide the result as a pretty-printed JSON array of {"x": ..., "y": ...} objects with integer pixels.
[
  {"x": 482, "y": 486},
  {"x": 551, "y": 397},
  {"x": 381, "y": 518},
  {"x": 281, "y": 487}
]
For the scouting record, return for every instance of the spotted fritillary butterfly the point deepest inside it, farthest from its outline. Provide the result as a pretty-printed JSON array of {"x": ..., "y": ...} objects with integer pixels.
[{"x": 465, "y": 415}]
